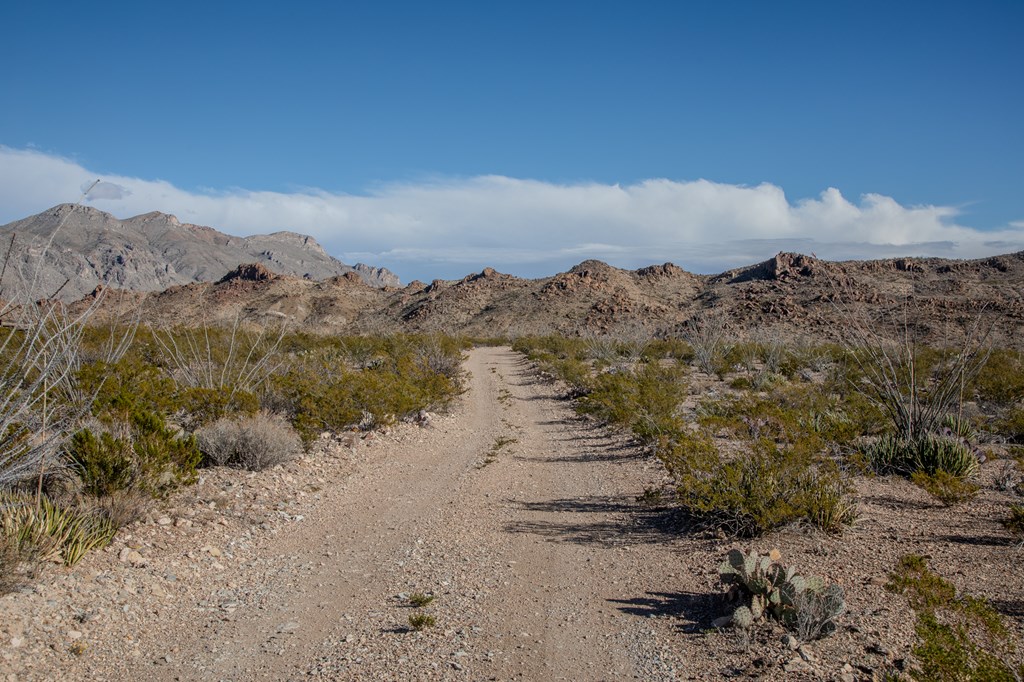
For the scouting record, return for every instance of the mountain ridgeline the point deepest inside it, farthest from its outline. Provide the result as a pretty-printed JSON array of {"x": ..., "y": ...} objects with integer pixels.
[
  {"x": 187, "y": 274},
  {"x": 152, "y": 252}
]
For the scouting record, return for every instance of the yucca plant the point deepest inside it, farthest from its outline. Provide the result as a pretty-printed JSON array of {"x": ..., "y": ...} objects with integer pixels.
[{"x": 39, "y": 526}]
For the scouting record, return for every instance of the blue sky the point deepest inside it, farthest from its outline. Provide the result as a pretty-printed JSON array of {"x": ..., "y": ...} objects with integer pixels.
[{"x": 437, "y": 138}]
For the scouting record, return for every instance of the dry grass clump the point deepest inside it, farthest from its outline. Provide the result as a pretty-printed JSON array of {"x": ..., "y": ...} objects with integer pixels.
[{"x": 255, "y": 442}]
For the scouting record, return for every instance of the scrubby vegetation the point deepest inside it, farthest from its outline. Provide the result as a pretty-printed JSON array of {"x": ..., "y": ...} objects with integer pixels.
[
  {"x": 960, "y": 637},
  {"x": 253, "y": 442},
  {"x": 757, "y": 436},
  {"x": 784, "y": 472},
  {"x": 120, "y": 417}
]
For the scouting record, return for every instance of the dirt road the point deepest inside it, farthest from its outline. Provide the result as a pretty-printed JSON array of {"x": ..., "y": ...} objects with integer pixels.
[{"x": 513, "y": 515}]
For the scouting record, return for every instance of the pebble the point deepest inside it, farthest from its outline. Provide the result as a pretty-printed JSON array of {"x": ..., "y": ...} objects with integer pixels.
[{"x": 797, "y": 665}]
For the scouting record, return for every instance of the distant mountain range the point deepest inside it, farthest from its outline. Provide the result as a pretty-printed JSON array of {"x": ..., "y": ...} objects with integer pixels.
[
  {"x": 789, "y": 296},
  {"x": 152, "y": 252},
  {"x": 187, "y": 274}
]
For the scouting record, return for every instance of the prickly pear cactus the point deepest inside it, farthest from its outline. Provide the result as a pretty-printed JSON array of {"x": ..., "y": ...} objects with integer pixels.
[
  {"x": 804, "y": 604},
  {"x": 743, "y": 618}
]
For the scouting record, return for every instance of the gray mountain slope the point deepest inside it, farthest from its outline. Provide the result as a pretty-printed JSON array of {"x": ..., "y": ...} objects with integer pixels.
[{"x": 151, "y": 252}]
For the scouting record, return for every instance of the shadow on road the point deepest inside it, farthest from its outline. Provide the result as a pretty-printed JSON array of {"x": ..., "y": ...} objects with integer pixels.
[
  {"x": 604, "y": 521},
  {"x": 696, "y": 610}
]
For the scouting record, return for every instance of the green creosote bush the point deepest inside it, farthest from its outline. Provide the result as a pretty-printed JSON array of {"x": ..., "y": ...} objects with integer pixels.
[
  {"x": 763, "y": 489},
  {"x": 805, "y": 605},
  {"x": 948, "y": 489},
  {"x": 1014, "y": 521},
  {"x": 959, "y": 638},
  {"x": 420, "y": 599},
  {"x": 146, "y": 455},
  {"x": 562, "y": 357},
  {"x": 419, "y": 621},
  {"x": 1011, "y": 424},
  {"x": 330, "y": 389},
  {"x": 254, "y": 442},
  {"x": 644, "y": 399},
  {"x": 805, "y": 417},
  {"x": 1001, "y": 378}
]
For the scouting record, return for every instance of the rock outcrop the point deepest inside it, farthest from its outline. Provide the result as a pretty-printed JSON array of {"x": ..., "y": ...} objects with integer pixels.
[{"x": 152, "y": 252}]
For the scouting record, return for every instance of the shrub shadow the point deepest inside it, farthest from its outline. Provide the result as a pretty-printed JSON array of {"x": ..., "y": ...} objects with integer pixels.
[
  {"x": 612, "y": 521},
  {"x": 892, "y": 502},
  {"x": 977, "y": 540},
  {"x": 1014, "y": 608},
  {"x": 697, "y": 610}
]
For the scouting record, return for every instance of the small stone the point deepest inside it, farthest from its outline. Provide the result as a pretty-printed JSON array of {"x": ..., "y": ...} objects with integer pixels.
[
  {"x": 790, "y": 642},
  {"x": 130, "y": 556},
  {"x": 17, "y": 642},
  {"x": 164, "y": 521},
  {"x": 74, "y": 634},
  {"x": 796, "y": 665},
  {"x": 722, "y": 622}
]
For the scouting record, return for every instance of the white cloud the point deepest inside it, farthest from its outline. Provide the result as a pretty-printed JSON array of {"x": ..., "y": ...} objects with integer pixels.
[{"x": 449, "y": 227}]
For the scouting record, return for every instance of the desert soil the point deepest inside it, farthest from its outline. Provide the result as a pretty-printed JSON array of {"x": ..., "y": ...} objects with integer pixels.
[{"x": 521, "y": 520}]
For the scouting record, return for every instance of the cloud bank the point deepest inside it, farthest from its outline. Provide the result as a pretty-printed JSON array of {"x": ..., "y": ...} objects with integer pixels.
[{"x": 450, "y": 227}]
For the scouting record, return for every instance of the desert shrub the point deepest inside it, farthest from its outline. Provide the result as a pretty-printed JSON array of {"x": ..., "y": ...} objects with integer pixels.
[
  {"x": 959, "y": 637},
  {"x": 1001, "y": 379},
  {"x": 132, "y": 384},
  {"x": 671, "y": 348},
  {"x": 763, "y": 363},
  {"x": 1014, "y": 521},
  {"x": 948, "y": 489},
  {"x": 763, "y": 489},
  {"x": 120, "y": 507},
  {"x": 254, "y": 443},
  {"x": 802, "y": 416},
  {"x": 419, "y": 621},
  {"x": 561, "y": 357},
  {"x": 440, "y": 355},
  {"x": 643, "y": 399},
  {"x": 146, "y": 455},
  {"x": 1011, "y": 424},
  {"x": 198, "y": 405},
  {"x": 103, "y": 462},
  {"x": 334, "y": 386}
]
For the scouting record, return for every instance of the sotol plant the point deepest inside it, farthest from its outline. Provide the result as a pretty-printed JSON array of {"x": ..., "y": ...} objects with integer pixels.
[{"x": 803, "y": 604}]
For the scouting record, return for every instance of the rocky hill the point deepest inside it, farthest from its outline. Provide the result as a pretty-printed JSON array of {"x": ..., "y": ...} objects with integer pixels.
[
  {"x": 154, "y": 251},
  {"x": 790, "y": 295}
]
